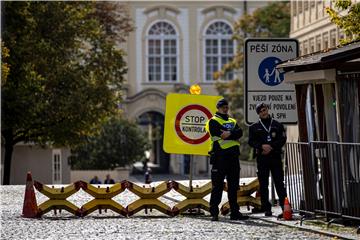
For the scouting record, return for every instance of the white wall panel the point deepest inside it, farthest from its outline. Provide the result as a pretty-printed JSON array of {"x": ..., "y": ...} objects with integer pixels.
[
  {"x": 183, "y": 20},
  {"x": 140, "y": 19}
]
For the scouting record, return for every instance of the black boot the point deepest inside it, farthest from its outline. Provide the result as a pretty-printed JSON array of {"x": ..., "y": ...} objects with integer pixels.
[
  {"x": 268, "y": 213},
  {"x": 238, "y": 216},
  {"x": 257, "y": 210}
]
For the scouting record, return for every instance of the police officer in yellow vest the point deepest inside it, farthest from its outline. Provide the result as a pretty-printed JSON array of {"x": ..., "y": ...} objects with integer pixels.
[{"x": 224, "y": 157}]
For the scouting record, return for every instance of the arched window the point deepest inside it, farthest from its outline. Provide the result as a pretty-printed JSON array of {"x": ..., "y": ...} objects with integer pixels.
[
  {"x": 162, "y": 54},
  {"x": 219, "y": 49}
]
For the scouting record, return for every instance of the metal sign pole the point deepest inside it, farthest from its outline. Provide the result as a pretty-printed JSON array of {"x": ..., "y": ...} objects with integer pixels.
[{"x": 191, "y": 171}]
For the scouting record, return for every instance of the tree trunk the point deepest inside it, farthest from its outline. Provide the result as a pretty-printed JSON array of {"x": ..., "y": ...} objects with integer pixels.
[{"x": 9, "y": 147}]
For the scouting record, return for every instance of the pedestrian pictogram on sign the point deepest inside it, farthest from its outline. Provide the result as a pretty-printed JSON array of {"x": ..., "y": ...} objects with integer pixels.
[
  {"x": 268, "y": 73},
  {"x": 185, "y": 119},
  {"x": 190, "y": 124}
]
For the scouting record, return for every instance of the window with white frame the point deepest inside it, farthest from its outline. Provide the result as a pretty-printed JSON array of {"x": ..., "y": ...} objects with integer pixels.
[
  {"x": 219, "y": 49},
  {"x": 56, "y": 166},
  {"x": 162, "y": 53}
]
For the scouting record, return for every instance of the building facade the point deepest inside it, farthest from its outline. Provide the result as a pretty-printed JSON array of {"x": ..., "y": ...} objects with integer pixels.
[
  {"x": 320, "y": 87},
  {"x": 327, "y": 82},
  {"x": 47, "y": 165},
  {"x": 311, "y": 26},
  {"x": 176, "y": 44}
]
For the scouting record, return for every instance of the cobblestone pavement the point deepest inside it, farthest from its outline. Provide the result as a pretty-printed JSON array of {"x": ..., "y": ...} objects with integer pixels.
[{"x": 110, "y": 225}]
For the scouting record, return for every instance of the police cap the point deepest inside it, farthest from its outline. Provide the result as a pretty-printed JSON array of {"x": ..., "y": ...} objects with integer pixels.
[
  {"x": 259, "y": 106},
  {"x": 222, "y": 102}
]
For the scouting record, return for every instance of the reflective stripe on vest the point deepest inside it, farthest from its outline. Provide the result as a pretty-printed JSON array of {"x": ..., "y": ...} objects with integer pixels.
[{"x": 224, "y": 144}]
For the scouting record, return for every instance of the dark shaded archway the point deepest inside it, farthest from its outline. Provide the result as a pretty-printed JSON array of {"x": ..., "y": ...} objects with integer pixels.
[{"x": 153, "y": 123}]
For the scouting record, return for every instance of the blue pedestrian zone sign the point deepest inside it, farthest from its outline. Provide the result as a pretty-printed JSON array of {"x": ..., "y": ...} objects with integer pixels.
[{"x": 268, "y": 73}]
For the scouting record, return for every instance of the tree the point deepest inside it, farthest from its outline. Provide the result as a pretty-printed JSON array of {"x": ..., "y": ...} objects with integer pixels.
[
  {"x": 66, "y": 72},
  {"x": 5, "y": 68},
  {"x": 119, "y": 143},
  {"x": 272, "y": 20},
  {"x": 347, "y": 17}
]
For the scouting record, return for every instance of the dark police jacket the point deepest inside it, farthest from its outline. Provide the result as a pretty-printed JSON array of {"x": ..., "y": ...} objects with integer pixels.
[{"x": 258, "y": 136}]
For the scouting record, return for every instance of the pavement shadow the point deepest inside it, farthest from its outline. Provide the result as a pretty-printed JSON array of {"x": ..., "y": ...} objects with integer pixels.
[
  {"x": 149, "y": 217},
  {"x": 59, "y": 218},
  {"x": 249, "y": 222}
]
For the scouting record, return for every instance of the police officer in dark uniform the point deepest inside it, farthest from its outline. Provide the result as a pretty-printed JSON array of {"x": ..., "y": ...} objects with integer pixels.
[
  {"x": 267, "y": 137},
  {"x": 224, "y": 157}
]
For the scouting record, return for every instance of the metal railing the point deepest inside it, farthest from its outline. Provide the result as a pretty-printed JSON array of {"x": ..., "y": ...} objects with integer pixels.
[{"x": 323, "y": 178}]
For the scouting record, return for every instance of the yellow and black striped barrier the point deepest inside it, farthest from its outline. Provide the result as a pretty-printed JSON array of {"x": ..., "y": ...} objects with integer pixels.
[
  {"x": 103, "y": 198},
  {"x": 148, "y": 198},
  {"x": 244, "y": 197},
  {"x": 57, "y": 198},
  {"x": 194, "y": 197}
]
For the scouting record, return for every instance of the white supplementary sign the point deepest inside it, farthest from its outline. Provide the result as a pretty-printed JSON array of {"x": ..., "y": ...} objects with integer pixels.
[{"x": 265, "y": 83}]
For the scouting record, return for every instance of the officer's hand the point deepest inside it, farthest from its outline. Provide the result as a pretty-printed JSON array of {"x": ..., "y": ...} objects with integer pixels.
[
  {"x": 266, "y": 149},
  {"x": 225, "y": 134}
]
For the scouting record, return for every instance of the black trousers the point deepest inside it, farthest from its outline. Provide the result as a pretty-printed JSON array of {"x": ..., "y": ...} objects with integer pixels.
[
  {"x": 265, "y": 165},
  {"x": 226, "y": 165}
]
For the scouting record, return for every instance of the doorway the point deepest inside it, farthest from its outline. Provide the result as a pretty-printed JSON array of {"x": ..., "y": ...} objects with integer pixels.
[{"x": 153, "y": 123}]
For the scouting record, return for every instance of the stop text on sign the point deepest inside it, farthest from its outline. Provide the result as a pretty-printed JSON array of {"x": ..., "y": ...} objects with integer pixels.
[{"x": 190, "y": 124}]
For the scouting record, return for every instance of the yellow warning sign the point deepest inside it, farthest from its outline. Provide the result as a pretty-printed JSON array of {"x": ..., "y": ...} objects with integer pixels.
[{"x": 185, "y": 119}]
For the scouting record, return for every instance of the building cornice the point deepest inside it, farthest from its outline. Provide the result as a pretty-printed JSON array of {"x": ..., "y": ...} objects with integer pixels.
[
  {"x": 166, "y": 7},
  {"x": 312, "y": 29},
  {"x": 144, "y": 93},
  {"x": 213, "y": 8}
]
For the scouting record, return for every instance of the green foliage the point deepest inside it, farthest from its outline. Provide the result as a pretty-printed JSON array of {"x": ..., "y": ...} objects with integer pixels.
[
  {"x": 272, "y": 20},
  {"x": 66, "y": 70},
  {"x": 348, "y": 20},
  {"x": 5, "y": 67},
  {"x": 119, "y": 143}
]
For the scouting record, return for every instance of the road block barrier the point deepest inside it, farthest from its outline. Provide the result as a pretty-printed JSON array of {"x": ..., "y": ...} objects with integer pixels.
[
  {"x": 103, "y": 198},
  {"x": 57, "y": 198},
  {"x": 244, "y": 197},
  {"x": 194, "y": 197},
  {"x": 148, "y": 198}
]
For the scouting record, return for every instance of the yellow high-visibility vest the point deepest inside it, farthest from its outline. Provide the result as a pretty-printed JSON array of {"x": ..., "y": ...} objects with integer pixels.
[{"x": 229, "y": 125}]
